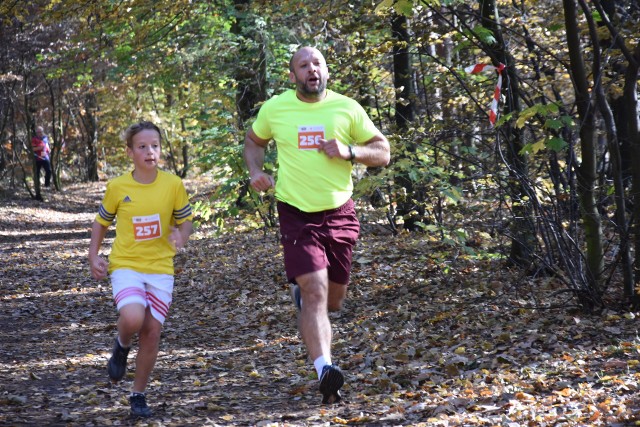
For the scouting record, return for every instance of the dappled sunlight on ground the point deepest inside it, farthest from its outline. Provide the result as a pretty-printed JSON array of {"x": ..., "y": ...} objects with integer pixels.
[{"x": 426, "y": 337}]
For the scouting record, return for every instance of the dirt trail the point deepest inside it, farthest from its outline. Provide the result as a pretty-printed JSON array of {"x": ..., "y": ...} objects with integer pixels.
[
  {"x": 423, "y": 341},
  {"x": 230, "y": 354}
]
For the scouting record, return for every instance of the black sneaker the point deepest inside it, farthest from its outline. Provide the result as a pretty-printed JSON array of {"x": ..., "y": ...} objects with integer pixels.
[
  {"x": 295, "y": 296},
  {"x": 330, "y": 383},
  {"x": 139, "y": 406},
  {"x": 117, "y": 365}
]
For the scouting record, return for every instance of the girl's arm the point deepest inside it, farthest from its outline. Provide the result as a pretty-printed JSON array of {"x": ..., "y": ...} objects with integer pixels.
[
  {"x": 180, "y": 234},
  {"x": 98, "y": 265}
]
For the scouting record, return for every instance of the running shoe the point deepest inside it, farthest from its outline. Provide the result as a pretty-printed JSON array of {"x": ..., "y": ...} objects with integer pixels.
[
  {"x": 117, "y": 365},
  {"x": 139, "y": 406},
  {"x": 330, "y": 383}
]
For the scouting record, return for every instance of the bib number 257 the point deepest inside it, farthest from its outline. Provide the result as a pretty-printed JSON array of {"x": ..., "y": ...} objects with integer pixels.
[{"x": 147, "y": 227}]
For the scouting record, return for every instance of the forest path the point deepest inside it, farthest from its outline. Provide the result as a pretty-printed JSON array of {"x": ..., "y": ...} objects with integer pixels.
[{"x": 422, "y": 341}]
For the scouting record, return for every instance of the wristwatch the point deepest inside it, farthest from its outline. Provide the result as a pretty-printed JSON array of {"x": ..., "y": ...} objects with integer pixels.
[{"x": 352, "y": 153}]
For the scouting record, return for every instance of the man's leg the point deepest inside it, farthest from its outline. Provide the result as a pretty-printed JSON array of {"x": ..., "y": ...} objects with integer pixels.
[
  {"x": 337, "y": 295},
  {"x": 47, "y": 173},
  {"x": 129, "y": 322},
  {"x": 38, "y": 167},
  {"x": 314, "y": 326}
]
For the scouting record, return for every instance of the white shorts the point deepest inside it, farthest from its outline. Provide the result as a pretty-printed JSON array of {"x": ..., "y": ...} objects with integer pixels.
[{"x": 150, "y": 290}]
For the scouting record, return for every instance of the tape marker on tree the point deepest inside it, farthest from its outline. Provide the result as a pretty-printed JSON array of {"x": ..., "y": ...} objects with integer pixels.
[{"x": 478, "y": 68}]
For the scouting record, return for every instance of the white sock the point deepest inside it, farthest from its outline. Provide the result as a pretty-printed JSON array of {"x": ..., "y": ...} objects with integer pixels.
[{"x": 320, "y": 363}]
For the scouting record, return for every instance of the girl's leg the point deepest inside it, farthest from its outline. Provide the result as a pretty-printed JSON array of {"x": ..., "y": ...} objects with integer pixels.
[
  {"x": 149, "y": 342},
  {"x": 130, "y": 322}
]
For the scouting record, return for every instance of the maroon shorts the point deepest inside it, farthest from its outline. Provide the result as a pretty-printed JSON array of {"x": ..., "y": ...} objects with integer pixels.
[{"x": 318, "y": 240}]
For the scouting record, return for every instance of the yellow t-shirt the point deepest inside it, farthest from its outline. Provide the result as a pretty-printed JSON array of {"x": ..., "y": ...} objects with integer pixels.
[
  {"x": 308, "y": 179},
  {"x": 145, "y": 214}
]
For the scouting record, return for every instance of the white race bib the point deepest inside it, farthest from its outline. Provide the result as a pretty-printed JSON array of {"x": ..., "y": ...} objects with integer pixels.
[
  {"x": 308, "y": 137},
  {"x": 147, "y": 227}
]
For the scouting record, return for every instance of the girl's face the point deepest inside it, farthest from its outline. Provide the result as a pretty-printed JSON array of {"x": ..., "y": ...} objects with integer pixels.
[{"x": 145, "y": 150}]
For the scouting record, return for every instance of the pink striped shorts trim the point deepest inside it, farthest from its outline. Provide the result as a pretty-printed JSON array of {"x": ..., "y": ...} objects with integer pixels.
[{"x": 150, "y": 290}]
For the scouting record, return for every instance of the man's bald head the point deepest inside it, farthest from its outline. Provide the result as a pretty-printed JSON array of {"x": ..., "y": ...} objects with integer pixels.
[{"x": 303, "y": 51}]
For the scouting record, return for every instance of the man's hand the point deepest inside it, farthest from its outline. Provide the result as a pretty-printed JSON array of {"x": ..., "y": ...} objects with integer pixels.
[
  {"x": 262, "y": 181},
  {"x": 334, "y": 148}
]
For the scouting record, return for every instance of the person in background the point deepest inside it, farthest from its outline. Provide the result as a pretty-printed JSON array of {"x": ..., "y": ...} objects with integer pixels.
[
  {"x": 319, "y": 135},
  {"x": 154, "y": 222},
  {"x": 41, "y": 151}
]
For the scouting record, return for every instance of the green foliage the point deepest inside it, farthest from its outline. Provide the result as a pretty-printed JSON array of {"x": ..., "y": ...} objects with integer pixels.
[
  {"x": 223, "y": 159},
  {"x": 484, "y": 34},
  {"x": 535, "y": 110},
  {"x": 182, "y": 64},
  {"x": 423, "y": 177},
  {"x": 547, "y": 115}
]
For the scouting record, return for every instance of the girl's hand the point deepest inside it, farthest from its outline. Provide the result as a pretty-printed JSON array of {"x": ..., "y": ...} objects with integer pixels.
[
  {"x": 99, "y": 268},
  {"x": 176, "y": 240}
]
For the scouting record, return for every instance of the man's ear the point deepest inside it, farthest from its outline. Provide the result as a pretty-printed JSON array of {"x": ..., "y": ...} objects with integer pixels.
[{"x": 292, "y": 77}]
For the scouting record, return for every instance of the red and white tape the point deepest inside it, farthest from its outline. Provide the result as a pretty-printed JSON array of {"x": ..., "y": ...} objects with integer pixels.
[{"x": 478, "y": 68}]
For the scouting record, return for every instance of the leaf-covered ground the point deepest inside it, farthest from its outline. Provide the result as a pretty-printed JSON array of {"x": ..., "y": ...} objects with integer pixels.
[{"x": 426, "y": 338}]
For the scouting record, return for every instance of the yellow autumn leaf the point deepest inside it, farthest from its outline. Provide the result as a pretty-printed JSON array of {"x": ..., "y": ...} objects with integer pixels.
[
  {"x": 524, "y": 396},
  {"x": 540, "y": 145}
]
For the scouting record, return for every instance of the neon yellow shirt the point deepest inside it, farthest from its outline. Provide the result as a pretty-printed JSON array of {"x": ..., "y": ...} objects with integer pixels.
[
  {"x": 145, "y": 214},
  {"x": 308, "y": 179}
]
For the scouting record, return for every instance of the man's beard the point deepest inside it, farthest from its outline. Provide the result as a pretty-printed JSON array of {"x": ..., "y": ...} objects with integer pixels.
[{"x": 312, "y": 93}]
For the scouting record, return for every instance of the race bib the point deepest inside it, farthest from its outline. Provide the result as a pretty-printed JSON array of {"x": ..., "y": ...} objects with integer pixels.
[
  {"x": 308, "y": 137},
  {"x": 146, "y": 227}
]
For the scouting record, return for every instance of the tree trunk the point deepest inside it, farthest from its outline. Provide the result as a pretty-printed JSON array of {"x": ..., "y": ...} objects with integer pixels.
[
  {"x": 56, "y": 145},
  {"x": 90, "y": 121},
  {"x": 614, "y": 155},
  {"x": 633, "y": 131},
  {"x": 402, "y": 73},
  {"x": 250, "y": 74},
  {"x": 523, "y": 235},
  {"x": 404, "y": 114},
  {"x": 586, "y": 171}
]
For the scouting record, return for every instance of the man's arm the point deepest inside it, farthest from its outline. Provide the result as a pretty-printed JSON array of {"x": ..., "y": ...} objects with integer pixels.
[
  {"x": 254, "y": 148},
  {"x": 374, "y": 152}
]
